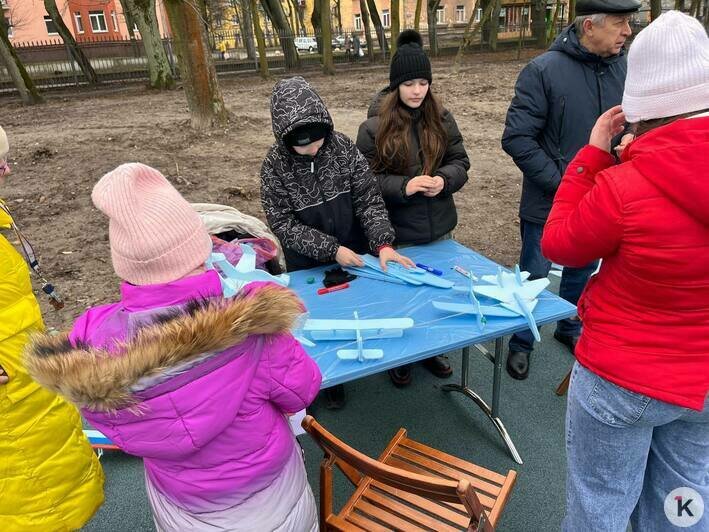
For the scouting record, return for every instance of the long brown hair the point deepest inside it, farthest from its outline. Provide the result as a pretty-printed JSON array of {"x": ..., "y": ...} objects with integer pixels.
[
  {"x": 644, "y": 126},
  {"x": 393, "y": 139}
]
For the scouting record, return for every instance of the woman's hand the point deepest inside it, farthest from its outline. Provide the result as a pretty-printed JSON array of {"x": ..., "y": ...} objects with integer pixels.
[
  {"x": 420, "y": 183},
  {"x": 347, "y": 257},
  {"x": 608, "y": 125},
  {"x": 624, "y": 141},
  {"x": 3, "y": 376},
  {"x": 389, "y": 254},
  {"x": 436, "y": 189}
]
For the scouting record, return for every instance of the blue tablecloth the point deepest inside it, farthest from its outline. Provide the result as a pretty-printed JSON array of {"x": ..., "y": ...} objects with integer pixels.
[{"x": 435, "y": 332}]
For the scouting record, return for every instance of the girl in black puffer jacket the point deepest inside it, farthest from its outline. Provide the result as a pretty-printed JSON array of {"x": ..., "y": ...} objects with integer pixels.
[{"x": 415, "y": 149}]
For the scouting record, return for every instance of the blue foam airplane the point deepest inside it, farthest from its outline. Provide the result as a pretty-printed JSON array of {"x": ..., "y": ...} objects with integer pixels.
[
  {"x": 397, "y": 273},
  {"x": 517, "y": 297},
  {"x": 235, "y": 277},
  {"x": 359, "y": 330}
]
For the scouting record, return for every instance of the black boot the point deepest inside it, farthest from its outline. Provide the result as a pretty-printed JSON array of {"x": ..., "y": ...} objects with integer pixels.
[
  {"x": 335, "y": 397},
  {"x": 439, "y": 366},
  {"x": 518, "y": 364},
  {"x": 401, "y": 376}
]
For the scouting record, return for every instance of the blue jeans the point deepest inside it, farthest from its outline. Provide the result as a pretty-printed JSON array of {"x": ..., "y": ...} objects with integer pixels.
[
  {"x": 573, "y": 281},
  {"x": 625, "y": 453}
]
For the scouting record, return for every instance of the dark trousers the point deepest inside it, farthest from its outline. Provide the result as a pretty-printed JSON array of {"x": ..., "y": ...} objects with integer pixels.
[{"x": 573, "y": 281}]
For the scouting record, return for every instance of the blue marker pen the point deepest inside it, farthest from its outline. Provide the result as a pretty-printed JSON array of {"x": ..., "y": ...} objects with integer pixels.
[{"x": 434, "y": 271}]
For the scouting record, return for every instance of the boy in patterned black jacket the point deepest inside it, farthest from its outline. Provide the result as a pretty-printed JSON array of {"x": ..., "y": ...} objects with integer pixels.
[{"x": 320, "y": 198}]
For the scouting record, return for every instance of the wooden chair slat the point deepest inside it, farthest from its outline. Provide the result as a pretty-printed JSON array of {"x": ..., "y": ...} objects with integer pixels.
[
  {"x": 365, "y": 523},
  {"x": 439, "y": 469},
  {"x": 394, "y": 506},
  {"x": 389, "y": 519},
  {"x": 335, "y": 522},
  {"x": 504, "y": 495},
  {"x": 490, "y": 476},
  {"x": 445, "y": 510},
  {"x": 412, "y": 487},
  {"x": 395, "y": 461}
]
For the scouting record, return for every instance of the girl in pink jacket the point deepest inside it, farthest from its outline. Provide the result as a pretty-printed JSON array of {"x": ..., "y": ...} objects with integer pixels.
[{"x": 197, "y": 385}]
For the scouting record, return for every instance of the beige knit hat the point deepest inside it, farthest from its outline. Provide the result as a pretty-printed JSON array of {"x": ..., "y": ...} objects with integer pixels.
[
  {"x": 668, "y": 69},
  {"x": 155, "y": 236},
  {"x": 4, "y": 144}
]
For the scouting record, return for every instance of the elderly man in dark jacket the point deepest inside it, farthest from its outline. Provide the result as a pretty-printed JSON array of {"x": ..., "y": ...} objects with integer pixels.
[{"x": 558, "y": 97}]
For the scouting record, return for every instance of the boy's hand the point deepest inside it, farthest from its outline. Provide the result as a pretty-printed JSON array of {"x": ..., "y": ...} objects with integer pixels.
[
  {"x": 3, "y": 376},
  {"x": 347, "y": 257},
  {"x": 389, "y": 254}
]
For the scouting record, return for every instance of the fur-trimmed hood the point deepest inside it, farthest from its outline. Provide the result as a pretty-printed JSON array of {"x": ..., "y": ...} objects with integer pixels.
[{"x": 104, "y": 381}]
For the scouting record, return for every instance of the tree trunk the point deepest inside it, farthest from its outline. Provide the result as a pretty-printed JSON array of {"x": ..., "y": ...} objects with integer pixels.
[
  {"x": 285, "y": 32},
  {"x": 20, "y": 78},
  {"x": 395, "y": 23},
  {"x": 204, "y": 98},
  {"x": 247, "y": 27},
  {"x": 494, "y": 24},
  {"x": 76, "y": 53},
  {"x": 130, "y": 21},
  {"x": 261, "y": 42},
  {"x": 300, "y": 17},
  {"x": 572, "y": 11},
  {"x": 328, "y": 64},
  {"x": 339, "y": 16},
  {"x": 656, "y": 9},
  {"x": 471, "y": 30},
  {"x": 417, "y": 15},
  {"x": 367, "y": 30},
  {"x": 432, "y": 8},
  {"x": 316, "y": 21},
  {"x": 551, "y": 26},
  {"x": 539, "y": 25},
  {"x": 378, "y": 28},
  {"x": 159, "y": 72}
]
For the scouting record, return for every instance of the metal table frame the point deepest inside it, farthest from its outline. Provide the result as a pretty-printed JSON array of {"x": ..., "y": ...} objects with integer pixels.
[{"x": 492, "y": 413}]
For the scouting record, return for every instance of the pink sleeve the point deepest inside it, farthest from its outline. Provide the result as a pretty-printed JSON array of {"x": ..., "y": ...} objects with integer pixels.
[{"x": 295, "y": 377}]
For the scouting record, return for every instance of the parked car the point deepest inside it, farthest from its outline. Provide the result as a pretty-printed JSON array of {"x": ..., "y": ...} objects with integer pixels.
[
  {"x": 338, "y": 43},
  {"x": 305, "y": 44}
]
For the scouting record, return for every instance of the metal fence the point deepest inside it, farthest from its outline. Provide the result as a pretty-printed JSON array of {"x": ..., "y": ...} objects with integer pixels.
[{"x": 50, "y": 65}]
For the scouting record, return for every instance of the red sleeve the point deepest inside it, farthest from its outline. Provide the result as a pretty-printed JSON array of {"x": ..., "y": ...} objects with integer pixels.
[{"x": 585, "y": 220}]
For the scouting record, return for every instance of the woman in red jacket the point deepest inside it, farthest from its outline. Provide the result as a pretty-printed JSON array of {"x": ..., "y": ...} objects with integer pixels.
[{"x": 637, "y": 426}]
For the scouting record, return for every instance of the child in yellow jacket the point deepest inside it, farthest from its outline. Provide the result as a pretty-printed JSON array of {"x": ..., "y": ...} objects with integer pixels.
[{"x": 50, "y": 479}]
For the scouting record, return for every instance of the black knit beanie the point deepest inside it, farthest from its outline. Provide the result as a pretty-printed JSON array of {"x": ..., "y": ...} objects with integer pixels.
[{"x": 409, "y": 61}]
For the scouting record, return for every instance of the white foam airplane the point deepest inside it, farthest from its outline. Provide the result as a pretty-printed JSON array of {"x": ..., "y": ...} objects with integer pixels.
[
  {"x": 355, "y": 329},
  {"x": 517, "y": 297}
]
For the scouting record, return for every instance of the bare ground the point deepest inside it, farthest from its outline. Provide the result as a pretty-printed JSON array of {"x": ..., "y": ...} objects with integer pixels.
[{"x": 60, "y": 149}]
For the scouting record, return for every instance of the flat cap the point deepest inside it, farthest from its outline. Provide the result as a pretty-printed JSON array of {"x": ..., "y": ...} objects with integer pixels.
[{"x": 593, "y": 7}]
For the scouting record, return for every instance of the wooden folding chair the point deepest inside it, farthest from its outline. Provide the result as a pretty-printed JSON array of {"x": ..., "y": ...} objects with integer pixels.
[
  {"x": 412, "y": 487},
  {"x": 563, "y": 385}
]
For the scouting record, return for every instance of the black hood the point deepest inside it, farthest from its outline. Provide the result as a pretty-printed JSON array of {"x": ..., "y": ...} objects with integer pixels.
[
  {"x": 568, "y": 43},
  {"x": 295, "y": 103}
]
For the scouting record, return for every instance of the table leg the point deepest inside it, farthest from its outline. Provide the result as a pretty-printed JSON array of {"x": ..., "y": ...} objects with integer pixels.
[{"x": 493, "y": 412}]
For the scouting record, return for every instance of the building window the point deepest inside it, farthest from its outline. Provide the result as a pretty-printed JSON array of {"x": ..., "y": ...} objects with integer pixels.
[
  {"x": 51, "y": 27},
  {"x": 460, "y": 14},
  {"x": 78, "y": 23},
  {"x": 441, "y": 15},
  {"x": 114, "y": 21},
  {"x": 478, "y": 14},
  {"x": 98, "y": 22},
  {"x": 358, "y": 22},
  {"x": 386, "y": 18}
]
